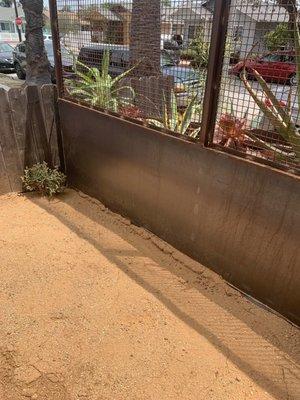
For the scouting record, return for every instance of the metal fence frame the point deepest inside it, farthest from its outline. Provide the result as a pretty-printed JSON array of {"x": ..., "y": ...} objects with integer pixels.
[{"x": 213, "y": 80}]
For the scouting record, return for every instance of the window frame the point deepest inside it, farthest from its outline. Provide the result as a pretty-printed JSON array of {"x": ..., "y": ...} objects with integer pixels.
[{"x": 5, "y": 30}]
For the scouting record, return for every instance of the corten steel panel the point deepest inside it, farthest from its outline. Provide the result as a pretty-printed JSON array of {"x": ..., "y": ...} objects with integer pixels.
[{"x": 236, "y": 217}]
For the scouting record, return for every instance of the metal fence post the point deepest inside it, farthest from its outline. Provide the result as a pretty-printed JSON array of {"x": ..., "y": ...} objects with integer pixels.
[
  {"x": 56, "y": 46},
  {"x": 59, "y": 78},
  {"x": 214, "y": 71}
]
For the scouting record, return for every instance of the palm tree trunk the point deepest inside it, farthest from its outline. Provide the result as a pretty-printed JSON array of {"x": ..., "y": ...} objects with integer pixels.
[
  {"x": 38, "y": 67},
  {"x": 145, "y": 37}
]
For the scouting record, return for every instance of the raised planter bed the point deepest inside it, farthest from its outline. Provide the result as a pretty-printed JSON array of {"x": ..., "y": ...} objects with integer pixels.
[{"x": 237, "y": 217}]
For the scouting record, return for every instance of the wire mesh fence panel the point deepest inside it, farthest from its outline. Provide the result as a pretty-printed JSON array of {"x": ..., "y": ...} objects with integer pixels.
[
  {"x": 141, "y": 59},
  {"x": 148, "y": 61},
  {"x": 258, "y": 111}
]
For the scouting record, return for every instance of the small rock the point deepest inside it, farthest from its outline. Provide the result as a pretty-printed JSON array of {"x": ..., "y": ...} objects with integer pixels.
[
  {"x": 26, "y": 374},
  {"x": 10, "y": 348},
  {"x": 82, "y": 393},
  {"x": 56, "y": 316},
  {"x": 28, "y": 392},
  {"x": 53, "y": 377}
]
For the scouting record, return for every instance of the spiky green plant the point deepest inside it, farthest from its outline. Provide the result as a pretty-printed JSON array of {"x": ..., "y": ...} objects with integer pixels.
[
  {"x": 279, "y": 115},
  {"x": 175, "y": 120},
  {"x": 98, "y": 88}
]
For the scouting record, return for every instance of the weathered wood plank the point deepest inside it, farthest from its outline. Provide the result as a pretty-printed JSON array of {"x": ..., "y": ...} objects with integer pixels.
[
  {"x": 4, "y": 179},
  {"x": 18, "y": 101},
  {"x": 37, "y": 147},
  {"x": 9, "y": 144},
  {"x": 47, "y": 96}
]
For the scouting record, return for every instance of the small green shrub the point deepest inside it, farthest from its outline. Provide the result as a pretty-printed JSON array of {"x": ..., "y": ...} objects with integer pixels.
[
  {"x": 198, "y": 49},
  {"x": 280, "y": 37},
  {"x": 42, "y": 179}
]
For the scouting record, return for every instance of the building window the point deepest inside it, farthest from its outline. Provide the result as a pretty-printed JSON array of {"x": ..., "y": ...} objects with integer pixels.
[
  {"x": 85, "y": 28},
  {"x": 5, "y": 27}
]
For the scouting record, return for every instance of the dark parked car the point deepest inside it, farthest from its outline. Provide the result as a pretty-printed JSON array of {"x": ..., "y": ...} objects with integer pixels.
[
  {"x": 276, "y": 67},
  {"x": 92, "y": 55},
  {"x": 19, "y": 57},
  {"x": 6, "y": 58},
  {"x": 186, "y": 80}
]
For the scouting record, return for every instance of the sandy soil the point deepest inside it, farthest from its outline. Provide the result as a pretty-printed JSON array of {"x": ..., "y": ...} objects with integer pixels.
[{"x": 95, "y": 308}]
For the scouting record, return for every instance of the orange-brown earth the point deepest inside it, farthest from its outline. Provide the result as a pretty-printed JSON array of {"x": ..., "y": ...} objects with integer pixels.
[{"x": 93, "y": 307}]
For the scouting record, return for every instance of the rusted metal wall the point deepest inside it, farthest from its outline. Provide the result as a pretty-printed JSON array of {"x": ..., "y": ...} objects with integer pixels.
[
  {"x": 236, "y": 217},
  {"x": 28, "y": 132}
]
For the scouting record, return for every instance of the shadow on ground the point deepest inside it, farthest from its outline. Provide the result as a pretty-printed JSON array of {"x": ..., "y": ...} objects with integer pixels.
[{"x": 262, "y": 345}]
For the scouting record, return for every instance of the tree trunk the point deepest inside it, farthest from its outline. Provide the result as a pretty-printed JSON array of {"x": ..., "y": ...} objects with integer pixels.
[
  {"x": 152, "y": 89},
  {"x": 145, "y": 37},
  {"x": 38, "y": 66}
]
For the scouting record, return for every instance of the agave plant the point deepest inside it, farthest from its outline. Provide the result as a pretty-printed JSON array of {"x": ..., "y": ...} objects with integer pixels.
[
  {"x": 177, "y": 121},
  {"x": 232, "y": 130},
  {"x": 99, "y": 89},
  {"x": 280, "y": 115}
]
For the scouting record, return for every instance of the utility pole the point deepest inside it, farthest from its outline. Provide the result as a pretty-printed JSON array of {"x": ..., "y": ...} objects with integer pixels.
[{"x": 17, "y": 16}]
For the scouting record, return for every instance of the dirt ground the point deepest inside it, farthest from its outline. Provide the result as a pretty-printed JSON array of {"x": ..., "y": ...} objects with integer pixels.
[{"x": 94, "y": 308}]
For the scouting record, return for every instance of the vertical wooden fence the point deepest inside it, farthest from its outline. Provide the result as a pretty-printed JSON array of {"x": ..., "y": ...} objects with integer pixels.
[{"x": 28, "y": 132}]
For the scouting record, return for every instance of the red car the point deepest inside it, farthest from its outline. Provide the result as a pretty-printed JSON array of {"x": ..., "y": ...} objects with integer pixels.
[{"x": 277, "y": 67}]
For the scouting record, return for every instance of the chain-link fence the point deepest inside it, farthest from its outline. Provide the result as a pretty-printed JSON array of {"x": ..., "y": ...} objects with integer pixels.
[{"x": 149, "y": 61}]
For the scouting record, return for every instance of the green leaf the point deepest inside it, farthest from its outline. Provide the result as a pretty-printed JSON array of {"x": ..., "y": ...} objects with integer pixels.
[
  {"x": 165, "y": 112},
  {"x": 105, "y": 64},
  {"x": 155, "y": 123},
  {"x": 187, "y": 116},
  {"x": 124, "y": 88},
  {"x": 119, "y": 77},
  {"x": 174, "y": 113},
  {"x": 195, "y": 133}
]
